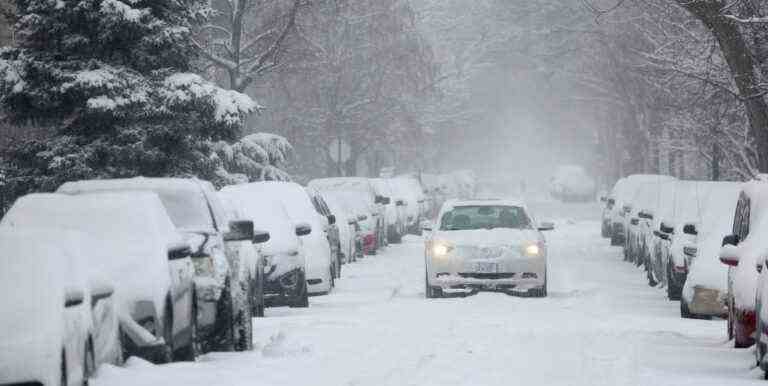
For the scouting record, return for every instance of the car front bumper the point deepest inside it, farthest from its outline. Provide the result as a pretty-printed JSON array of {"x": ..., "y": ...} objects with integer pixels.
[{"x": 511, "y": 274}]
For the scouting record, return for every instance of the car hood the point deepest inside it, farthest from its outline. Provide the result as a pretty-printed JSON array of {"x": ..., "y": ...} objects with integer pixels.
[{"x": 489, "y": 237}]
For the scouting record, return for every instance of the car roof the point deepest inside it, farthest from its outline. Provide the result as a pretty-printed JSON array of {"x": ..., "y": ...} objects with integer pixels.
[{"x": 485, "y": 202}]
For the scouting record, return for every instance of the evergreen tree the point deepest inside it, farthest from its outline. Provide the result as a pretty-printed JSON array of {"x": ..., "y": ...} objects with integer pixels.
[{"x": 111, "y": 81}]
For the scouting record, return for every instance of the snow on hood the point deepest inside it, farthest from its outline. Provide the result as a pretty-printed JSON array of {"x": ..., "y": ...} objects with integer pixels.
[{"x": 489, "y": 237}]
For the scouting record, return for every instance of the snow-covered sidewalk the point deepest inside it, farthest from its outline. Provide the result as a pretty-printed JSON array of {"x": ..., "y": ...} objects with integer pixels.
[{"x": 601, "y": 325}]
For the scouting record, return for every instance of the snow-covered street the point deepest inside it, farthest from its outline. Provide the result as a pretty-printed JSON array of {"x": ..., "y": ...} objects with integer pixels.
[{"x": 600, "y": 325}]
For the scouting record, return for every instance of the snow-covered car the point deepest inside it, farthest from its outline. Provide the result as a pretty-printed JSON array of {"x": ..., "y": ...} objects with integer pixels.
[
  {"x": 321, "y": 265},
  {"x": 139, "y": 253},
  {"x": 245, "y": 261},
  {"x": 198, "y": 214},
  {"x": 678, "y": 239},
  {"x": 623, "y": 193},
  {"x": 571, "y": 183},
  {"x": 741, "y": 250},
  {"x": 350, "y": 209},
  {"x": 485, "y": 245},
  {"x": 346, "y": 220},
  {"x": 283, "y": 254},
  {"x": 706, "y": 284},
  {"x": 47, "y": 329},
  {"x": 411, "y": 192},
  {"x": 395, "y": 210},
  {"x": 363, "y": 187},
  {"x": 331, "y": 229}
]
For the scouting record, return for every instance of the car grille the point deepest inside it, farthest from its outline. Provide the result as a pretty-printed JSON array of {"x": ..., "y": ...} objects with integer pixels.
[{"x": 488, "y": 276}]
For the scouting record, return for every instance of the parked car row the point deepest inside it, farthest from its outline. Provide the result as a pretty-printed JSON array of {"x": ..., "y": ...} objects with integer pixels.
[
  {"x": 700, "y": 241},
  {"x": 169, "y": 268}
]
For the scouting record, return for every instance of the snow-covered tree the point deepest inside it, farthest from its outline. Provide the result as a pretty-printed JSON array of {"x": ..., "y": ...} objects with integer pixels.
[
  {"x": 255, "y": 157},
  {"x": 112, "y": 80},
  {"x": 244, "y": 39}
]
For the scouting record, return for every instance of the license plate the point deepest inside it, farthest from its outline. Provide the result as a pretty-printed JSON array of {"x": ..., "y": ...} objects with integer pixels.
[{"x": 486, "y": 267}]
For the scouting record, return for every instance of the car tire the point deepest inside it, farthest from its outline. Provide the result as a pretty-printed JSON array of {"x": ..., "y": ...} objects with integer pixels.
[
  {"x": 242, "y": 323},
  {"x": 615, "y": 240},
  {"x": 259, "y": 303},
  {"x": 674, "y": 290},
  {"x": 431, "y": 292},
  {"x": 333, "y": 278},
  {"x": 89, "y": 362},
  {"x": 63, "y": 376},
  {"x": 302, "y": 301}
]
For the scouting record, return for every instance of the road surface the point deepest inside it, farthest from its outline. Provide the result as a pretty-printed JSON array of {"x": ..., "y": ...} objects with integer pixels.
[{"x": 600, "y": 325}]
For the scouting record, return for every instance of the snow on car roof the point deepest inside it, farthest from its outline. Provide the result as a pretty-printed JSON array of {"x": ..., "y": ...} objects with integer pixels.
[
  {"x": 484, "y": 202},
  {"x": 188, "y": 200}
]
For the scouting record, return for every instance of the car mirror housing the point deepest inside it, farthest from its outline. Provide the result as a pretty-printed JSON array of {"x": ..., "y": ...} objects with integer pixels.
[
  {"x": 666, "y": 228},
  {"x": 690, "y": 229},
  {"x": 260, "y": 237},
  {"x": 73, "y": 297},
  {"x": 546, "y": 226},
  {"x": 179, "y": 251},
  {"x": 239, "y": 230},
  {"x": 731, "y": 240},
  {"x": 303, "y": 229},
  {"x": 634, "y": 221},
  {"x": 645, "y": 215},
  {"x": 427, "y": 225}
]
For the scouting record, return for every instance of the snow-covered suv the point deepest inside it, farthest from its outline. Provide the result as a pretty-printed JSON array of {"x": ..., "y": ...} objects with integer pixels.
[{"x": 197, "y": 213}]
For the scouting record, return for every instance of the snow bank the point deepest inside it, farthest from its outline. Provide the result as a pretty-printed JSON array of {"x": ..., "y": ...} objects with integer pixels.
[{"x": 123, "y": 11}]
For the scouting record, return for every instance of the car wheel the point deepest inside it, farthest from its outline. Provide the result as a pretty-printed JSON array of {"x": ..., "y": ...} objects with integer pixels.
[
  {"x": 192, "y": 349},
  {"x": 243, "y": 320},
  {"x": 165, "y": 354},
  {"x": 258, "y": 309},
  {"x": 431, "y": 292},
  {"x": 302, "y": 301},
  {"x": 674, "y": 290},
  {"x": 89, "y": 362},
  {"x": 63, "y": 380}
]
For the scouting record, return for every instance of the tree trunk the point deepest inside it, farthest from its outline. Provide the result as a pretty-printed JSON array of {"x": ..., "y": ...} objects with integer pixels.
[
  {"x": 715, "y": 162},
  {"x": 742, "y": 66}
]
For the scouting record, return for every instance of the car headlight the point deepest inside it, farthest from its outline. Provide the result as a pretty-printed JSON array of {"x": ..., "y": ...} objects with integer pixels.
[
  {"x": 440, "y": 249},
  {"x": 532, "y": 250}
]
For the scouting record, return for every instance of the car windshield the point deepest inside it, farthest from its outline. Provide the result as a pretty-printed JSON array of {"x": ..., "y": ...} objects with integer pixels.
[
  {"x": 188, "y": 210},
  {"x": 485, "y": 217}
]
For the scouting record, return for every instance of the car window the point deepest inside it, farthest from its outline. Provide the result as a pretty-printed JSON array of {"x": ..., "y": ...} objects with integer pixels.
[
  {"x": 485, "y": 217},
  {"x": 188, "y": 209}
]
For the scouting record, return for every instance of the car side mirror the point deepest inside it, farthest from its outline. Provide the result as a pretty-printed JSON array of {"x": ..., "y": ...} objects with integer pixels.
[
  {"x": 179, "y": 251},
  {"x": 73, "y": 297},
  {"x": 362, "y": 217},
  {"x": 101, "y": 290},
  {"x": 331, "y": 219},
  {"x": 351, "y": 221},
  {"x": 303, "y": 229},
  {"x": 634, "y": 221},
  {"x": 731, "y": 240},
  {"x": 239, "y": 230},
  {"x": 661, "y": 235},
  {"x": 260, "y": 237},
  {"x": 666, "y": 228},
  {"x": 546, "y": 226},
  {"x": 400, "y": 203},
  {"x": 427, "y": 225},
  {"x": 645, "y": 215},
  {"x": 690, "y": 229}
]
